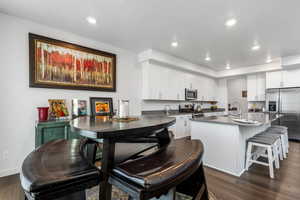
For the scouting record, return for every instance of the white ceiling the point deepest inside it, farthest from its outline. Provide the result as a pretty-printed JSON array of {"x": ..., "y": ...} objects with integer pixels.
[{"x": 198, "y": 26}]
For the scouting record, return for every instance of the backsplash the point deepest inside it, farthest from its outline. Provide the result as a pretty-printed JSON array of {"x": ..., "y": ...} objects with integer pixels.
[
  {"x": 160, "y": 105},
  {"x": 256, "y": 105}
]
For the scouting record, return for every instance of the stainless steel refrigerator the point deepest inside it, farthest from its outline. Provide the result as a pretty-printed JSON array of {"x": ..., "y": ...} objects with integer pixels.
[{"x": 286, "y": 101}]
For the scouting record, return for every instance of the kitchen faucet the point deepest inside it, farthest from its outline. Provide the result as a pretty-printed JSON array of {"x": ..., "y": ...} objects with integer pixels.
[{"x": 167, "y": 109}]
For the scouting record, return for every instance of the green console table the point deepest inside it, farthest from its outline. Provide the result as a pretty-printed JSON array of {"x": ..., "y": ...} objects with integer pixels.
[{"x": 46, "y": 131}]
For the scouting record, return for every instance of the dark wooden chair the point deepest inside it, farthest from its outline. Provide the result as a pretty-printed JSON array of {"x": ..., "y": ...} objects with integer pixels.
[
  {"x": 178, "y": 165},
  {"x": 60, "y": 169}
]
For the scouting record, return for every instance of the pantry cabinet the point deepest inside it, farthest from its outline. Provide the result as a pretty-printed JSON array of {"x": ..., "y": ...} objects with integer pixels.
[{"x": 256, "y": 87}]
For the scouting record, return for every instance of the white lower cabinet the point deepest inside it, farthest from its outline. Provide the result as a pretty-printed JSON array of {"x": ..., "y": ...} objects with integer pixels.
[{"x": 182, "y": 127}]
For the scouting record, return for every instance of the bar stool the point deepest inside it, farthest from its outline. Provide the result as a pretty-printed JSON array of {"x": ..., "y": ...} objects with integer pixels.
[
  {"x": 279, "y": 141},
  {"x": 263, "y": 145},
  {"x": 271, "y": 131},
  {"x": 178, "y": 165},
  {"x": 284, "y": 130}
]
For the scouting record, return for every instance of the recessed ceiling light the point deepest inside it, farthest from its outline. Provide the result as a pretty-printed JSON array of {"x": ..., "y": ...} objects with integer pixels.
[
  {"x": 231, "y": 22},
  {"x": 91, "y": 20},
  {"x": 174, "y": 44},
  {"x": 269, "y": 60},
  {"x": 228, "y": 66},
  {"x": 255, "y": 47},
  {"x": 207, "y": 58}
]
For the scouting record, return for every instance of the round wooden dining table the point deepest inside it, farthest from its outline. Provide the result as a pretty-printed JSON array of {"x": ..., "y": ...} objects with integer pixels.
[{"x": 110, "y": 131}]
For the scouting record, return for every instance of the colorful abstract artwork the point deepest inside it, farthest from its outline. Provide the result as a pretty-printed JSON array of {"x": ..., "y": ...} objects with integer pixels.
[
  {"x": 58, "y": 64},
  {"x": 57, "y": 109}
]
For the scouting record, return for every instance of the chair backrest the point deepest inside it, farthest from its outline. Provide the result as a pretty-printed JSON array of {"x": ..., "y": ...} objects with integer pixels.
[
  {"x": 161, "y": 170},
  {"x": 58, "y": 166}
]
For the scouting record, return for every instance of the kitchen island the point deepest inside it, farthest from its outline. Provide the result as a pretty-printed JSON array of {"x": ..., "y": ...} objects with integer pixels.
[{"x": 225, "y": 139}]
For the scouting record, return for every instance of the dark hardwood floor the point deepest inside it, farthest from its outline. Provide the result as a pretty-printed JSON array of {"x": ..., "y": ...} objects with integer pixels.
[
  {"x": 252, "y": 185},
  {"x": 256, "y": 184},
  {"x": 10, "y": 188}
]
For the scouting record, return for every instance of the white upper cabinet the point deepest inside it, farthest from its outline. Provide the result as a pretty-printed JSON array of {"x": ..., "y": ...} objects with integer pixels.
[
  {"x": 284, "y": 78},
  {"x": 274, "y": 79},
  {"x": 261, "y": 86},
  {"x": 291, "y": 78},
  {"x": 256, "y": 86},
  {"x": 251, "y": 87},
  {"x": 164, "y": 83}
]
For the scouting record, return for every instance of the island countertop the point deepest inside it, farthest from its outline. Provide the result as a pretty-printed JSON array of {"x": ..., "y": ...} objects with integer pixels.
[{"x": 261, "y": 118}]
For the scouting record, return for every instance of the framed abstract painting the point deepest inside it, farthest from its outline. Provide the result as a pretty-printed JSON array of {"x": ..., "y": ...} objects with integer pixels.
[{"x": 58, "y": 64}]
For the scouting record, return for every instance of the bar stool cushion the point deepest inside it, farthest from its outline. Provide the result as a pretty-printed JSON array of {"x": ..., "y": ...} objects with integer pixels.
[
  {"x": 56, "y": 168},
  {"x": 279, "y": 127},
  {"x": 179, "y": 160},
  {"x": 276, "y": 130},
  {"x": 268, "y": 134},
  {"x": 263, "y": 140}
]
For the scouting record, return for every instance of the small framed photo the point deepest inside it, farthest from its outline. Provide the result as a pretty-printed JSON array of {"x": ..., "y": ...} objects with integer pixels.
[
  {"x": 101, "y": 106},
  {"x": 79, "y": 107}
]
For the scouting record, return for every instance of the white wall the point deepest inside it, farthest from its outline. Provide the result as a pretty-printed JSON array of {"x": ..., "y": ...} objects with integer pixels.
[{"x": 18, "y": 101}]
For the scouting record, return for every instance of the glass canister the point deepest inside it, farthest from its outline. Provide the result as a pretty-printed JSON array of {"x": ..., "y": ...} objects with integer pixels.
[{"x": 123, "y": 111}]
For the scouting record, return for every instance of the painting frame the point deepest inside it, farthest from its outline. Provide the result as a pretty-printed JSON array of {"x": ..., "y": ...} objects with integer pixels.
[
  {"x": 33, "y": 82},
  {"x": 94, "y": 100}
]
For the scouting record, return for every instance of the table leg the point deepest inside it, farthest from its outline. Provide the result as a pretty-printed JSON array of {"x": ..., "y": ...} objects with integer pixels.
[{"x": 108, "y": 155}]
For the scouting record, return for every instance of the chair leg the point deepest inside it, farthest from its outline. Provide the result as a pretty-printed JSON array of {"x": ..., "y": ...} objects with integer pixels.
[
  {"x": 287, "y": 142},
  {"x": 283, "y": 146},
  {"x": 248, "y": 156},
  {"x": 279, "y": 149},
  {"x": 270, "y": 159},
  {"x": 275, "y": 156},
  {"x": 205, "y": 194}
]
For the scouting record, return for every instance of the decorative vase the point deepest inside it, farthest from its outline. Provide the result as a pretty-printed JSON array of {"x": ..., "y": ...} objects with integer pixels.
[{"x": 43, "y": 113}]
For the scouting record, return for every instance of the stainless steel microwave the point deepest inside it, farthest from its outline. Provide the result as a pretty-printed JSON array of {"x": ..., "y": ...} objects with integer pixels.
[{"x": 191, "y": 94}]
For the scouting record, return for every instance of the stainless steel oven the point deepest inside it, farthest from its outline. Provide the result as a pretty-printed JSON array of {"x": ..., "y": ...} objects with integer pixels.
[
  {"x": 273, "y": 106},
  {"x": 191, "y": 94}
]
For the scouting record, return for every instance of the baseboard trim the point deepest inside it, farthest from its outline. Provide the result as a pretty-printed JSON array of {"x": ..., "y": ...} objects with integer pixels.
[
  {"x": 225, "y": 171},
  {"x": 9, "y": 172}
]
